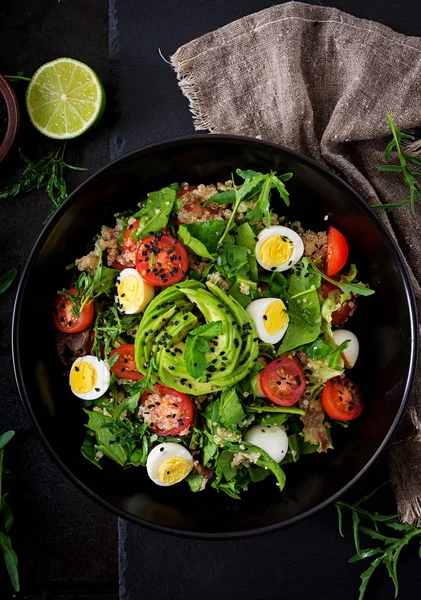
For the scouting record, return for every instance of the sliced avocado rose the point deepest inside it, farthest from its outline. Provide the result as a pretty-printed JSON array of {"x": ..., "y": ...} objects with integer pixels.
[{"x": 172, "y": 315}]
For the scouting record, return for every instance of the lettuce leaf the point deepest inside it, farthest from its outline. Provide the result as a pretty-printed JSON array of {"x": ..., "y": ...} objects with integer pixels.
[{"x": 155, "y": 212}]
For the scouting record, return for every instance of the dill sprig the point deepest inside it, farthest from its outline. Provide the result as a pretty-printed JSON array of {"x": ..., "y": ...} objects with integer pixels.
[
  {"x": 374, "y": 525},
  {"x": 404, "y": 167},
  {"x": 47, "y": 174}
]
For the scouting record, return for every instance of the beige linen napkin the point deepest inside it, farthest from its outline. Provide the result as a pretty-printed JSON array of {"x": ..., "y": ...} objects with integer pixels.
[{"x": 322, "y": 81}]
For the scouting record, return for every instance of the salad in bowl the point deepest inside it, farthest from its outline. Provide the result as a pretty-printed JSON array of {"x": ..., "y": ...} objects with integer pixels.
[{"x": 205, "y": 336}]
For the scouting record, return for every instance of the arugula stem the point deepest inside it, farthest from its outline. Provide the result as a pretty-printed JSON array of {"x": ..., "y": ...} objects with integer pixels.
[{"x": 17, "y": 78}]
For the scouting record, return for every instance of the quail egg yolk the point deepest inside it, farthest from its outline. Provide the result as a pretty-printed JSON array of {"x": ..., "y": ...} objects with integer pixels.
[
  {"x": 83, "y": 378},
  {"x": 276, "y": 251},
  {"x": 275, "y": 317},
  {"x": 173, "y": 470},
  {"x": 130, "y": 294}
]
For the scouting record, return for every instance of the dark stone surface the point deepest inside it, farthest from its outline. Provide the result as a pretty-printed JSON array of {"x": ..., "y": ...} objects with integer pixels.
[
  {"x": 64, "y": 540},
  {"x": 67, "y": 545}
]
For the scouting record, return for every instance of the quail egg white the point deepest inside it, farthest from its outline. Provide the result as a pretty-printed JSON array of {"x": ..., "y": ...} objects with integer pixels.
[
  {"x": 270, "y": 438},
  {"x": 133, "y": 293},
  {"x": 270, "y": 319},
  {"x": 350, "y": 354},
  {"x": 278, "y": 248},
  {"x": 169, "y": 463},
  {"x": 89, "y": 377}
]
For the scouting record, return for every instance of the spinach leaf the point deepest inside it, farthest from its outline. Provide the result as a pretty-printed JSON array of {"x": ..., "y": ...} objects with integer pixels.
[
  {"x": 247, "y": 386},
  {"x": 241, "y": 285},
  {"x": 277, "y": 287},
  {"x": 263, "y": 461},
  {"x": 317, "y": 350},
  {"x": 7, "y": 280},
  {"x": 207, "y": 232},
  {"x": 225, "y": 460},
  {"x": 233, "y": 260},
  {"x": 222, "y": 198},
  {"x": 231, "y": 412},
  {"x": 245, "y": 237},
  {"x": 303, "y": 308},
  {"x": 275, "y": 419},
  {"x": 89, "y": 450},
  {"x": 195, "y": 481},
  {"x": 193, "y": 244},
  {"x": 155, "y": 212},
  {"x": 258, "y": 473}
]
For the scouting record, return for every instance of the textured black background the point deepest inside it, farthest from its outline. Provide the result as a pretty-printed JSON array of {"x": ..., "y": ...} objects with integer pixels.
[{"x": 67, "y": 545}]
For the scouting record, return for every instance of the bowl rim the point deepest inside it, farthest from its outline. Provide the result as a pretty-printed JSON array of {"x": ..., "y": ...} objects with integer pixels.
[
  {"x": 13, "y": 117},
  {"x": 369, "y": 213}
]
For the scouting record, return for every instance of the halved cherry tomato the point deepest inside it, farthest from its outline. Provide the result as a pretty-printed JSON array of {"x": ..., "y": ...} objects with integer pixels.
[
  {"x": 167, "y": 411},
  {"x": 283, "y": 381},
  {"x": 170, "y": 261},
  {"x": 64, "y": 319},
  {"x": 347, "y": 308},
  {"x": 337, "y": 252},
  {"x": 130, "y": 245},
  {"x": 341, "y": 399},
  {"x": 184, "y": 190},
  {"x": 125, "y": 367}
]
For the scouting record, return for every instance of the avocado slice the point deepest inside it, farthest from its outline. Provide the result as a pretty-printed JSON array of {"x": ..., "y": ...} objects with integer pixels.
[{"x": 168, "y": 320}]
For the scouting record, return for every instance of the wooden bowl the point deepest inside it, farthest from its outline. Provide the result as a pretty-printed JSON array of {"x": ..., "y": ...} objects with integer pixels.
[{"x": 12, "y": 128}]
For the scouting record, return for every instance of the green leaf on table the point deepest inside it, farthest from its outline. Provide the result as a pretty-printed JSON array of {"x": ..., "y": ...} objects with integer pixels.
[
  {"x": 7, "y": 279},
  {"x": 10, "y": 560},
  {"x": 5, "y": 438},
  {"x": 366, "y": 575}
]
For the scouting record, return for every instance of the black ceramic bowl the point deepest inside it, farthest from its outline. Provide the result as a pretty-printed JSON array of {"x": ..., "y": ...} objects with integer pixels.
[{"x": 385, "y": 323}]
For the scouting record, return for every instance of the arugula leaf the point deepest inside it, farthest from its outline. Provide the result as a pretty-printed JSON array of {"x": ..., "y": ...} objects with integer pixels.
[
  {"x": 303, "y": 308},
  {"x": 9, "y": 554},
  {"x": 207, "y": 232},
  {"x": 335, "y": 359},
  {"x": 102, "y": 426},
  {"x": 155, "y": 212},
  {"x": 5, "y": 439},
  {"x": 231, "y": 412},
  {"x": 273, "y": 409},
  {"x": 222, "y": 198},
  {"x": 47, "y": 174},
  {"x": 7, "y": 280},
  {"x": 245, "y": 237},
  {"x": 347, "y": 288},
  {"x": 195, "y": 245}
]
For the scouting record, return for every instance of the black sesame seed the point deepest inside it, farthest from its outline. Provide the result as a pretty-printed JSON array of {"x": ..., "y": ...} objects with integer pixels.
[
  {"x": 161, "y": 449},
  {"x": 76, "y": 368}
]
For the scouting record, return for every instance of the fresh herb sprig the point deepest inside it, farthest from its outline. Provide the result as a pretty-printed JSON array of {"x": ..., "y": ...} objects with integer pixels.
[
  {"x": 197, "y": 345},
  {"x": 388, "y": 547},
  {"x": 404, "y": 167},
  {"x": 47, "y": 174},
  {"x": 6, "y": 521},
  {"x": 6, "y": 280}
]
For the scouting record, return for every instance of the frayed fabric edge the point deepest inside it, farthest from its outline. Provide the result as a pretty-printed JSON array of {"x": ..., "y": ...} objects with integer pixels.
[
  {"x": 190, "y": 90},
  {"x": 410, "y": 511}
]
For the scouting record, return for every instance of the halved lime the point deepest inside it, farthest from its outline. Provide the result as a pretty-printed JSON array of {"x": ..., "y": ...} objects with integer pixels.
[{"x": 65, "y": 98}]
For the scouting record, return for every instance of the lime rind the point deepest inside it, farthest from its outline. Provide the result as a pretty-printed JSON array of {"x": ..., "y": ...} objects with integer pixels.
[{"x": 69, "y": 117}]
